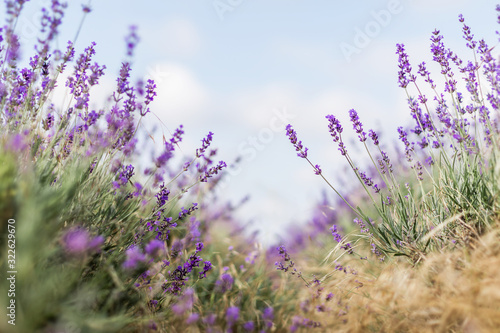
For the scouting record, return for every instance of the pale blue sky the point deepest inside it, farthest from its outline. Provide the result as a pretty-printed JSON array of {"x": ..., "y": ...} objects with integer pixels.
[{"x": 233, "y": 71}]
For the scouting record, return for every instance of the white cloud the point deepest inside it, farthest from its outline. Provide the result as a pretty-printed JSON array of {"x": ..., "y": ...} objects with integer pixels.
[
  {"x": 180, "y": 93},
  {"x": 179, "y": 37},
  {"x": 255, "y": 107}
]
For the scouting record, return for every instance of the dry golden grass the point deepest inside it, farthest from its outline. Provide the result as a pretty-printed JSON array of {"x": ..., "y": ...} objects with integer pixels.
[{"x": 453, "y": 291}]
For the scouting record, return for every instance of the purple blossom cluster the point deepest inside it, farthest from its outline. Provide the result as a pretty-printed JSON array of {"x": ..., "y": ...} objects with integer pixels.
[
  {"x": 123, "y": 177},
  {"x": 287, "y": 262},
  {"x": 335, "y": 129},
  {"x": 405, "y": 75},
  {"x": 224, "y": 283},
  {"x": 134, "y": 257},
  {"x": 357, "y": 125},
  {"x": 232, "y": 316},
  {"x": 205, "y": 143},
  {"x": 186, "y": 212},
  {"x": 212, "y": 171},
  {"x": 178, "y": 277},
  {"x": 338, "y": 238},
  {"x": 298, "y": 322},
  {"x": 185, "y": 302},
  {"x": 292, "y": 136},
  {"x": 77, "y": 241},
  {"x": 84, "y": 77}
]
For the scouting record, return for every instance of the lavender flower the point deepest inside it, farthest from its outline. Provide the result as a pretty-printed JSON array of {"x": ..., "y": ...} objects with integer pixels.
[
  {"x": 374, "y": 137},
  {"x": 78, "y": 241},
  {"x": 86, "y": 9},
  {"x": 212, "y": 171},
  {"x": 268, "y": 317},
  {"x": 317, "y": 170},
  {"x": 286, "y": 258},
  {"x": 155, "y": 248},
  {"x": 205, "y": 143},
  {"x": 210, "y": 319},
  {"x": 194, "y": 229},
  {"x": 131, "y": 40},
  {"x": 292, "y": 136},
  {"x": 150, "y": 92},
  {"x": 134, "y": 257},
  {"x": 249, "y": 326},
  {"x": 177, "y": 279},
  {"x": 206, "y": 268},
  {"x": 440, "y": 54},
  {"x": 185, "y": 212},
  {"x": 419, "y": 168},
  {"x": 335, "y": 232},
  {"x": 403, "y": 136},
  {"x": 225, "y": 283},
  {"x": 80, "y": 82},
  {"x": 347, "y": 247},
  {"x": 334, "y": 128},
  {"x": 124, "y": 176},
  {"x": 192, "y": 318},
  {"x": 176, "y": 248},
  {"x": 357, "y": 125},
  {"x": 422, "y": 70},
  {"x": 232, "y": 315},
  {"x": 185, "y": 302},
  {"x": 122, "y": 80},
  {"x": 468, "y": 36},
  {"x": 367, "y": 180},
  {"x": 404, "y": 75},
  {"x": 362, "y": 226}
]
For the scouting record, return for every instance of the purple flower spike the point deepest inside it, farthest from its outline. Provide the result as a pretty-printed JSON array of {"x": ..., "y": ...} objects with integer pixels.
[
  {"x": 334, "y": 128},
  {"x": 150, "y": 92},
  {"x": 268, "y": 316},
  {"x": 335, "y": 232},
  {"x": 249, "y": 326},
  {"x": 225, "y": 283},
  {"x": 77, "y": 241},
  {"x": 404, "y": 74},
  {"x": 286, "y": 258},
  {"x": 134, "y": 257},
  {"x": 131, "y": 40},
  {"x": 374, "y": 137},
  {"x": 403, "y": 136},
  {"x": 317, "y": 170},
  {"x": 292, "y": 135},
  {"x": 232, "y": 315},
  {"x": 185, "y": 212},
  {"x": 357, "y": 125},
  {"x": 468, "y": 36},
  {"x": 155, "y": 247},
  {"x": 212, "y": 171},
  {"x": 205, "y": 143},
  {"x": 206, "y": 268},
  {"x": 185, "y": 302}
]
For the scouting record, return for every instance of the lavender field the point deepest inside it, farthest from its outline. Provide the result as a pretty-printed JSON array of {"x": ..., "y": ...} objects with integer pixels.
[{"x": 109, "y": 223}]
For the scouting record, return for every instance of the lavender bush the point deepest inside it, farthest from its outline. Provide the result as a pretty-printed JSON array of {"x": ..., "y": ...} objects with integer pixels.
[
  {"x": 451, "y": 149},
  {"x": 105, "y": 244},
  {"x": 102, "y": 245}
]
